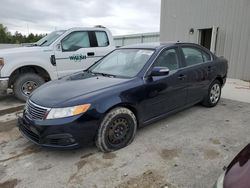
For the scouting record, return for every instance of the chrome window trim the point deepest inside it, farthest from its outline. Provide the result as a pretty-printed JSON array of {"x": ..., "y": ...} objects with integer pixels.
[{"x": 45, "y": 108}]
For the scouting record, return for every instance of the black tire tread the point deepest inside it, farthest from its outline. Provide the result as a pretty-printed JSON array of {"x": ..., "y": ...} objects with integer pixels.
[
  {"x": 22, "y": 78},
  {"x": 100, "y": 141},
  {"x": 206, "y": 102}
]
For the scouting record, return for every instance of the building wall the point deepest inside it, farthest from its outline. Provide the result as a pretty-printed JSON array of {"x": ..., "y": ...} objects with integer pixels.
[
  {"x": 231, "y": 16},
  {"x": 123, "y": 40}
]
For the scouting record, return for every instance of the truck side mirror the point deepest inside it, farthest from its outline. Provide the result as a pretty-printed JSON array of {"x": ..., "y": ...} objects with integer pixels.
[{"x": 58, "y": 47}]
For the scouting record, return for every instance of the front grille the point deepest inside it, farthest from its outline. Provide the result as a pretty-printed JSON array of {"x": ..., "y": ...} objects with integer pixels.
[{"x": 35, "y": 111}]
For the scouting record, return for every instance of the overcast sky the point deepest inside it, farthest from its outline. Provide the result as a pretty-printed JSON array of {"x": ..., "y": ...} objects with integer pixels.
[{"x": 43, "y": 16}]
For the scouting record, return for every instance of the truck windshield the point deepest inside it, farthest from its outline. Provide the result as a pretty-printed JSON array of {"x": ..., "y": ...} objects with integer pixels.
[
  {"x": 122, "y": 63},
  {"x": 50, "y": 38}
]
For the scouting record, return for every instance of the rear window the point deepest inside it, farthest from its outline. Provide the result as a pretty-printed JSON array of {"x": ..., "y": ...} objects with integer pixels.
[
  {"x": 102, "y": 38},
  {"x": 195, "y": 56}
]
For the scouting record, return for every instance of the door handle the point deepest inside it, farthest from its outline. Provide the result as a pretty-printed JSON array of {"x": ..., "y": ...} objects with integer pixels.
[
  {"x": 90, "y": 53},
  {"x": 182, "y": 77},
  {"x": 209, "y": 69}
]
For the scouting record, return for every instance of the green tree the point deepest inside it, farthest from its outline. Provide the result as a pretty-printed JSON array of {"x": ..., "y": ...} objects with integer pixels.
[{"x": 17, "y": 38}]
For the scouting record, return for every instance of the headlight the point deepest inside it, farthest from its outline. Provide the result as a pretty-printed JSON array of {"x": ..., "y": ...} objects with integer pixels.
[
  {"x": 1, "y": 63},
  {"x": 220, "y": 181},
  {"x": 55, "y": 113}
]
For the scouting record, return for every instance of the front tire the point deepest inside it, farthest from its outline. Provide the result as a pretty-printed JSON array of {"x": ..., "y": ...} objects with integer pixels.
[
  {"x": 25, "y": 84},
  {"x": 117, "y": 130},
  {"x": 213, "y": 95}
]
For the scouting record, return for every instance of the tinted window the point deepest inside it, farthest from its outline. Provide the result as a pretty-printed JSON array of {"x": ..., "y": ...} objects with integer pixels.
[
  {"x": 195, "y": 56},
  {"x": 169, "y": 59},
  {"x": 102, "y": 38},
  {"x": 75, "y": 41}
]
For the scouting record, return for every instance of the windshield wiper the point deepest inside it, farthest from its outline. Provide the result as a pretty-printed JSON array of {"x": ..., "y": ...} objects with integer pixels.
[{"x": 103, "y": 74}]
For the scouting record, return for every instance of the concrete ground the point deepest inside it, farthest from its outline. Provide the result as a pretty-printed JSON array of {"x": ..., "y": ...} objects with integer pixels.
[
  {"x": 238, "y": 90},
  {"x": 188, "y": 149}
]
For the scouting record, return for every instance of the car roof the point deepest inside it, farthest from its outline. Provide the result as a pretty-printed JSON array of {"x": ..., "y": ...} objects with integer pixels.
[{"x": 155, "y": 45}]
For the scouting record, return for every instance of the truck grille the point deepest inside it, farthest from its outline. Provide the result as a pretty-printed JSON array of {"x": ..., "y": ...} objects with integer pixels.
[{"x": 35, "y": 111}]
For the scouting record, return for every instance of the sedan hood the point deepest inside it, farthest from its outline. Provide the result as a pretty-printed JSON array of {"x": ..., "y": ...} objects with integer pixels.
[
  {"x": 55, "y": 93},
  {"x": 238, "y": 172}
]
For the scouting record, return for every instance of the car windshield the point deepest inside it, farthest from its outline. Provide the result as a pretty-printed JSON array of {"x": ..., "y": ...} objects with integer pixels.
[
  {"x": 122, "y": 62},
  {"x": 50, "y": 38}
]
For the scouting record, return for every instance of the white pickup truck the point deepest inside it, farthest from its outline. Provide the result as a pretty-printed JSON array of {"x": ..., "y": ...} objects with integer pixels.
[{"x": 58, "y": 54}]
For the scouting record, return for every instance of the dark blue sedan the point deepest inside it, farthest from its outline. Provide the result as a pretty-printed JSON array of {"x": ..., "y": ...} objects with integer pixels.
[{"x": 131, "y": 87}]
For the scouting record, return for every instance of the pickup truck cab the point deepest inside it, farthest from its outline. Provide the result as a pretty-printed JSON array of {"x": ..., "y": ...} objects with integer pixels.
[{"x": 56, "y": 55}]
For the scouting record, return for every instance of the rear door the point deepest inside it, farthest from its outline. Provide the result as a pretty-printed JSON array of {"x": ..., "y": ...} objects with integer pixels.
[
  {"x": 198, "y": 69},
  {"x": 166, "y": 93}
]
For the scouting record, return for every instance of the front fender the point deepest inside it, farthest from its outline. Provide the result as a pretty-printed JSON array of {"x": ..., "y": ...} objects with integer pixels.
[{"x": 15, "y": 64}]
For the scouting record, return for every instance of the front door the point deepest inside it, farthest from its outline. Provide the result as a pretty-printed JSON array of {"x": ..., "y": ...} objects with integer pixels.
[
  {"x": 165, "y": 93},
  {"x": 76, "y": 53}
]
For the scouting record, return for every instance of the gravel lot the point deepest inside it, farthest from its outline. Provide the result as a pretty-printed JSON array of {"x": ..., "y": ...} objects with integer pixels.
[{"x": 188, "y": 149}]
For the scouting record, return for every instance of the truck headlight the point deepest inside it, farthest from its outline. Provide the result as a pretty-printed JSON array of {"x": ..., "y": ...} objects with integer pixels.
[
  {"x": 55, "y": 113},
  {"x": 1, "y": 63}
]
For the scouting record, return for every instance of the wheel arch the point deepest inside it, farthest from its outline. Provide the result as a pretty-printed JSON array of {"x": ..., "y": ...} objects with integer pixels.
[
  {"x": 129, "y": 106},
  {"x": 220, "y": 79},
  {"x": 29, "y": 69}
]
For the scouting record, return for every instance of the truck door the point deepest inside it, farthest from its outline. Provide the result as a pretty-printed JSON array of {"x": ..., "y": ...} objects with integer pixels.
[
  {"x": 81, "y": 49},
  {"x": 74, "y": 53}
]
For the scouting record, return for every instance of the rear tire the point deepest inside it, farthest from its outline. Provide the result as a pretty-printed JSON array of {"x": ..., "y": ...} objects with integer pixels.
[
  {"x": 213, "y": 95},
  {"x": 25, "y": 84},
  {"x": 117, "y": 130}
]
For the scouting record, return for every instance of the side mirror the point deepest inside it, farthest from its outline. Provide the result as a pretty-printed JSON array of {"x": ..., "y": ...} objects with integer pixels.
[
  {"x": 160, "y": 71},
  {"x": 58, "y": 47}
]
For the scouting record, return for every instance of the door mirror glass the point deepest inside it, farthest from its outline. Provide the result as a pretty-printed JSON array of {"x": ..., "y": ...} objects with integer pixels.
[{"x": 160, "y": 71}]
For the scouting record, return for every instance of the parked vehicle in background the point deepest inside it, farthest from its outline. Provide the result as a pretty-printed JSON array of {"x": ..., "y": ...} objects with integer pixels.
[
  {"x": 130, "y": 87},
  {"x": 237, "y": 173},
  {"x": 58, "y": 54}
]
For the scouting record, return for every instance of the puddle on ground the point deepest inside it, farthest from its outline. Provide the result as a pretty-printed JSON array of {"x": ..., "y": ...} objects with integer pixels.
[
  {"x": 108, "y": 156},
  {"x": 169, "y": 154},
  {"x": 10, "y": 183},
  {"x": 148, "y": 179},
  {"x": 211, "y": 154}
]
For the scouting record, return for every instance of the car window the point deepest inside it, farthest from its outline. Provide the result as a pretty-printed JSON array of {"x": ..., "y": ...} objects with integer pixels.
[
  {"x": 123, "y": 62},
  {"x": 76, "y": 40},
  {"x": 102, "y": 38},
  {"x": 206, "y": 56},
  {"x": 169, "y": 59},
  {"x": 195, "y": 56}
]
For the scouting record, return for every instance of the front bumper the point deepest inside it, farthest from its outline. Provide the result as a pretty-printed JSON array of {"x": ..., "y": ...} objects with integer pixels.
[
  {"x": 3, "y": 85},
  {"x": 66, "y": 133}
]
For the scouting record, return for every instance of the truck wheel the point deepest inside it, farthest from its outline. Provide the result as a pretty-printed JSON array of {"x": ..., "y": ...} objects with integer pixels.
[
  {"x": 117, "y": 130},
  {"x": 25, "y": 84},
  {"x": 213, "y": 95}
]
